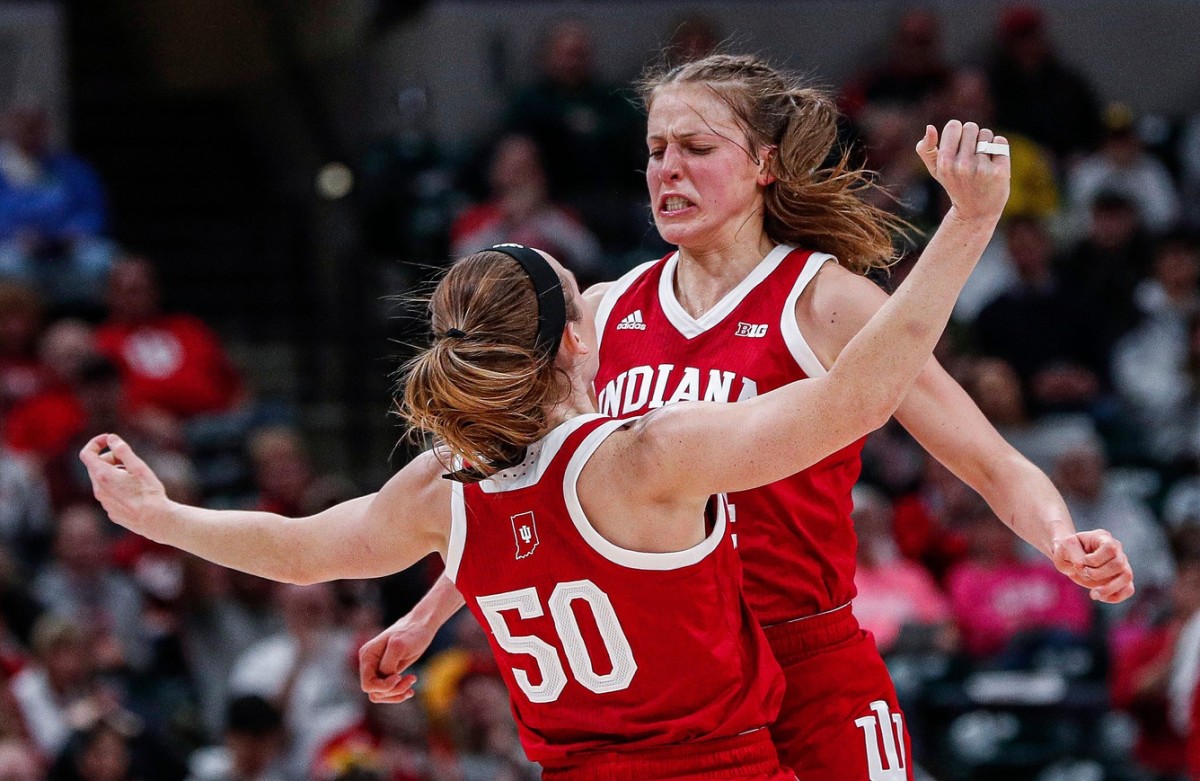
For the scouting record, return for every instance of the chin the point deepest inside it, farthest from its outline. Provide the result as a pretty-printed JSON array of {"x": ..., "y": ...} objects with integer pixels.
[{"x": 678, "y": 235}]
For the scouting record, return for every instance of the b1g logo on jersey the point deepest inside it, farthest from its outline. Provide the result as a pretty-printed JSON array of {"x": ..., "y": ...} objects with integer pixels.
[
  {"x": 525, "y": 531},
  {"x": 884, "y": 728},
  {"x": 753, "y": 330}
]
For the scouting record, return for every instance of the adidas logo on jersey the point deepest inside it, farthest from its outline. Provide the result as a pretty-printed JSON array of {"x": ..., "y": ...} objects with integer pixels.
[{"x": 633, "y": 321}]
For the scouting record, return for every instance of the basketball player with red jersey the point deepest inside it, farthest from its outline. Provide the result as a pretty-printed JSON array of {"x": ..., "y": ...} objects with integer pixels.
[
  {"x": 574, "y": 579},
  {"x": 737, "y": 178}
]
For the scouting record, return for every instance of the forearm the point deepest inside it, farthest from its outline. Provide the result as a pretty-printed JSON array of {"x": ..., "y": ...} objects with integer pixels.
[
  {"x": 292, "y": 550},
  {"x": 1026, "y": 500},
  {"x": 437, "y": 606}
]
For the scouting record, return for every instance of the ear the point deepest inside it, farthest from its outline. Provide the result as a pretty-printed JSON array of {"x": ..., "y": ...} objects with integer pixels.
[
  {"x": 573, "y": 343},
  {"x": 765, "y": 158}
]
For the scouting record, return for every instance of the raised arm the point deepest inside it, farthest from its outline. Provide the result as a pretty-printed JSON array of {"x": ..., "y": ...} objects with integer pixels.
[
  {"x": 366, "y": 537},
  {"x": 699, "y": 448}
]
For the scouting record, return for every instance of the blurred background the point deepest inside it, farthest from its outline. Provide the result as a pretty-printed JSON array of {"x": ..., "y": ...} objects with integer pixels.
[{"x": 211, "y": 215}]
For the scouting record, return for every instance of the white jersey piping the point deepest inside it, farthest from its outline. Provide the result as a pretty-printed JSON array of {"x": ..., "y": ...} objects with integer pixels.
[
  {"x": 691, "y": 327},
  {"x": 617, "y": 289},
  {"x": 540, "y": 454},
  {"x": 797, "y": 345},
  {"x": 458, "y": 531},
  {"x": 639, "y": 560}
]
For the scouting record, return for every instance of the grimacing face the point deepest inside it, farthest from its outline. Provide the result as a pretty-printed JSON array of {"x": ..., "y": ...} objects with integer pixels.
[{"x": 705, "y": 185}]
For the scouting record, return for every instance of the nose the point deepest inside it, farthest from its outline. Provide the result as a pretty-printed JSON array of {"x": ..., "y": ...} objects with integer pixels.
[{"x": 672, "y": 164}]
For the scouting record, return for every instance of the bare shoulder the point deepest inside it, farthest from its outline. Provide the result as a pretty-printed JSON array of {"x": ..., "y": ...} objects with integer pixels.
[
  {"x": 834, "y": 307},
  {"x": 419, "y": 484},
  {"x": 593, "y": 295}
]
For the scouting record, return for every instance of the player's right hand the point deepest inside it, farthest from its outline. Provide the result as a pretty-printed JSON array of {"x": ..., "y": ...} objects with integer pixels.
[
  {"x": 383, "y": 659},
  {"x": 129, "y": 491},
  {"x": 976, "y": 182}
]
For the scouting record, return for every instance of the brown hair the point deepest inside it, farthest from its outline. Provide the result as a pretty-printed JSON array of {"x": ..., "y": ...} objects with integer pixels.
[
  {"x": 484, "y": 395},
  {"x": 812, "y": 203}
]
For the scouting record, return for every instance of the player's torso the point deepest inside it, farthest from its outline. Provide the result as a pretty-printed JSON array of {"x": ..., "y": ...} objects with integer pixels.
[
  {"x": 794, "y": 536},
  {"x": 604, "y": 648}
]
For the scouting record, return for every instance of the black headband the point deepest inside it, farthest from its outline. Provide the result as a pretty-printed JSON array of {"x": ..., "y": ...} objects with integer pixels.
[{"x": 547, "y": 285}]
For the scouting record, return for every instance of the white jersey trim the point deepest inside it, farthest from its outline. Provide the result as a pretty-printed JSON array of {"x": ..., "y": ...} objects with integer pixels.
[
  {"x": 640, "y": 560},
  {"x": 537, "y": 459},
  {"x": 617, "y": 289},
  {"x": 458, "y": 531},
  {"x": 692, "y": 327},
  {"x": 797, "y": 345}
]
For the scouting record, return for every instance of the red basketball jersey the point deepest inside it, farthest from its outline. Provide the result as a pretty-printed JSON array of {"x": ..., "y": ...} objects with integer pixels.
[
  {"x": 795, "y": 536},
  {"x": 602, "y": 648}
]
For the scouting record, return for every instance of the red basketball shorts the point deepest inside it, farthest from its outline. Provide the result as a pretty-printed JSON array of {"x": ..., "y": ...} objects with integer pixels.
[
  {"x": 840, "y": 720},
  {"x": 748, "y": 757}
]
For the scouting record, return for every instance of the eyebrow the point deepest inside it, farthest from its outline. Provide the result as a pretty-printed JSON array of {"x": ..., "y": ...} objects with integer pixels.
[{"x": 659, "y": 136}]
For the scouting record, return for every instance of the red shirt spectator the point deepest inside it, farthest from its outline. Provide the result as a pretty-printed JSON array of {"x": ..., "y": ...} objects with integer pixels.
[{"x": 170, "y": 362}]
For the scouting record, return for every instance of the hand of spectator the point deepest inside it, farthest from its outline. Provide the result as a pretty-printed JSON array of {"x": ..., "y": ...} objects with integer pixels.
[
  {"x": 1096, "y": 561},
  {"x": 976, "y": 182},
  {"x": 384, "y": 657},
  {"x": 129, "y": 491}
]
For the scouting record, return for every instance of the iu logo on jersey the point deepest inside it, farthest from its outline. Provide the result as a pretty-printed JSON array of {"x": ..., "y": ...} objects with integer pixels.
[
  {"x": 753, "y": 330},
  {"x": 884, "y": 728},
  {"x": 525, "y": 530}
]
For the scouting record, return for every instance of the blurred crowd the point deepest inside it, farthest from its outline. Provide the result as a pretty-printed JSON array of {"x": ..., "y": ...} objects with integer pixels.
[{"x": 1078, "y": 337}]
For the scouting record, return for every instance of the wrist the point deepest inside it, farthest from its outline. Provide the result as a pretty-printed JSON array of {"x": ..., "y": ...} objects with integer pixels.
[{"x": 982, "y": 223}]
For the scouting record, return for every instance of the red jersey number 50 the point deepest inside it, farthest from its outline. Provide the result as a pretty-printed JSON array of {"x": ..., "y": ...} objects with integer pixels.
[{"x": 554, "y": 679}]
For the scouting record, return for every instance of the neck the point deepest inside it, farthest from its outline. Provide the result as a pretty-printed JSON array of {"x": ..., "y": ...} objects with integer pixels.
[
  {"x": 706, "y": 274},
  {"x": 579, "y": 402}
]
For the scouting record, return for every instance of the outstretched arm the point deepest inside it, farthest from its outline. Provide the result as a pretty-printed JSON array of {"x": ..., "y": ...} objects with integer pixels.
[
  {"x": 704, "y": 448},
  {"x": 366, "y": 537},
  {"x": 944, "y": 419}
]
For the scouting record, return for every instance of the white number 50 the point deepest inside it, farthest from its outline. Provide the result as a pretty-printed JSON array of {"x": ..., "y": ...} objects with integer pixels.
[{"x": 554, "y": 678}]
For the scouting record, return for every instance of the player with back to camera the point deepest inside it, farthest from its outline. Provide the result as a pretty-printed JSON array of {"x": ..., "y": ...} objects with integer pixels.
[
  {"x": 669, "y": 676},
  {"x": 753, "y": 299}
]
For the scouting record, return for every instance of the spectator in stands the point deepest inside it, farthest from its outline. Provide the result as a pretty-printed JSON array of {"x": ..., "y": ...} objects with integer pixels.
[
  {"x": 996, "y": 597},
  {"x": 1122, "y": 165},
  {"x": 898, "y": 601},
  {"x": 47, "y": 422},
  {"x": 996, "y": 389},
  {"x": 254, "y": 743},
  {"x": 520, "y": 210},
  {"x": 390, "y": 739},
  {"x": 915, "y": 67},
  {"x": 1142, "y": 663},
  {"x": 21, "y": 375},
  {"x": 1034, "y": 189},
  {"x": 19, "y": 761},
  {"x": 590, "y": 134},
  {"x": 283, "y": 471},
  {"x": 116, "y": 747},
  {"x": 1047, "y": 329},
  {"x": 484, "y": 733},
  {"x": 1110, "y": 261},
  {"x": 1036, "y": 94},
  {"x": 1096, "y": 504},
  {"x": 59, "y": 679},
  {"x": 170, "y": 363},
  {"x": 82, "y": 584},
  {"x": 225, "y": 612},
  {"x": 52, "y": 213},
  {"x": 905, "y": 188},
  {"x": 308, "y": 672},
  {"x": 1189, "y": 164},
  {"x": 692, "y": 37},
  {"x": 1151, "y": 364},
  {"x": 25, "y": 519}
]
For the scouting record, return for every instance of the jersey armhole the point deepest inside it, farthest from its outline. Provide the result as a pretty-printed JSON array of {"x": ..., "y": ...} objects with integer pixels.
[
  {"x": 801, "y": 351},
  {"x": 639, "y": 560},
  {"x": 614, "y": 293},
  {"x": 458, "y": 531}
]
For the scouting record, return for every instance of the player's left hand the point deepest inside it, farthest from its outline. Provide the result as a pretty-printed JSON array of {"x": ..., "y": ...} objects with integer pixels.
[{"x": 1096, "y": 561}]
